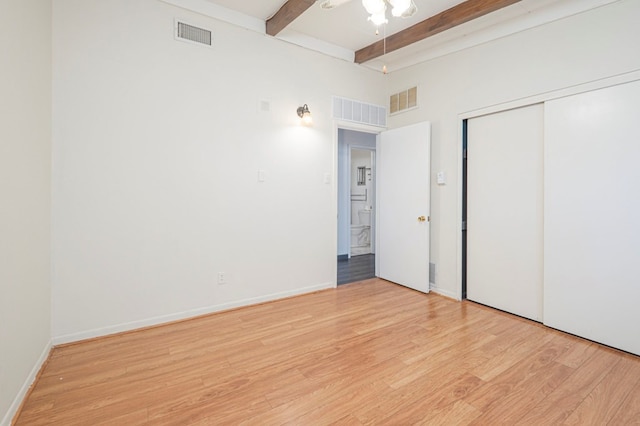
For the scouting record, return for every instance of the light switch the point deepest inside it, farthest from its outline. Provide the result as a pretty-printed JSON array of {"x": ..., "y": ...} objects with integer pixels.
[
  {"x": 441, "y": 178},
  {"x": 262, "y": 176}
]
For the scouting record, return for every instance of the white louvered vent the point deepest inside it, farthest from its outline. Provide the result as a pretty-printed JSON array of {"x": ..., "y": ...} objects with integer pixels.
[
  {"x": 192, "y": 34},
  {"x": 359, "y": 112}
]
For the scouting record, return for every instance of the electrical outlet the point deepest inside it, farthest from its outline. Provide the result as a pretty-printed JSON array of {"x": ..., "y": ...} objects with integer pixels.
[{"x": 222, "y": 278}]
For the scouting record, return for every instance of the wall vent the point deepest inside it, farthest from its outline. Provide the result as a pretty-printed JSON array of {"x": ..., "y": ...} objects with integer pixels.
[
  {"x": 402, "y": 101},
  {"x": 359, "y": 112},
  {"x": 192, "y": 34},
  {"x": 432, "y": 273}
]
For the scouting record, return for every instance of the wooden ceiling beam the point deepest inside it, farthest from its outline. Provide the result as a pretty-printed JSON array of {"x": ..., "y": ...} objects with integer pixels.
[
  {"x": 457, "y": 15},
  {"x": 286, "y": 15}
]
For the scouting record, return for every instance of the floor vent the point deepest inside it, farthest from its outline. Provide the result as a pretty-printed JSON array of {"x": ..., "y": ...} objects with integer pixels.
[
  {"x": 191, "y": 34},
  {"x": 359, "y": 112}
]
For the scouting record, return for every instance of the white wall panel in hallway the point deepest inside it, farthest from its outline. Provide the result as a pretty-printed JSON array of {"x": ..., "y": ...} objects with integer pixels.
[
  {"x": 592, "y": 200},
  {"x": 504, "y": 210}
]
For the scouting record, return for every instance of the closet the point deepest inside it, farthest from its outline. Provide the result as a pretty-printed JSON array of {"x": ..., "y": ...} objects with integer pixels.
[{"x": 553, "y": 196}]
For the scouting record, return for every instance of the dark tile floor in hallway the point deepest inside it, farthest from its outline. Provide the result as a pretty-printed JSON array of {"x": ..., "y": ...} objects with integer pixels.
[{"x": 357, "y": 268}]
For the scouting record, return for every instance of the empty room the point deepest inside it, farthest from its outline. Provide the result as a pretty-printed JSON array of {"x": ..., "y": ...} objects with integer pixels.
[{"x": 319, "y": 212}]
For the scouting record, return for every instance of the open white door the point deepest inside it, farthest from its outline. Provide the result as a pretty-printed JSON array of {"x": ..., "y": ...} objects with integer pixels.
[{"x": 402, "y": 252}]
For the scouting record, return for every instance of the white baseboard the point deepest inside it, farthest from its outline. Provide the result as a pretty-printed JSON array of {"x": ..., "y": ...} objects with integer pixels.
[
  {"x": 15, "y": 405},
  {"x": 104, "y": 331},
  {"x": 444, "y": 292}
]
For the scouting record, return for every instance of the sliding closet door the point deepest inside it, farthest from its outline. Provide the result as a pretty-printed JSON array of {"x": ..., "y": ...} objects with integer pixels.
[
  {"x": 504, "y": 210},
  {"x": 592, "y": 211}
]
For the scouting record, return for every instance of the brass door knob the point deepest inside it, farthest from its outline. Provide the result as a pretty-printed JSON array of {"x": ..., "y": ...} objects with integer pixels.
[{"x": 422, "y": 219}]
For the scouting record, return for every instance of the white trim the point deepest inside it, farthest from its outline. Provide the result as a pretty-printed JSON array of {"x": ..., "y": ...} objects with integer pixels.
[
  {"x": 555, "y": 94},
  {"x": 15, "y": 405},
  {"x": 104, "y": 331},
  {"x": 356, "y": 126},
  {"x": 517, "y": 103}
]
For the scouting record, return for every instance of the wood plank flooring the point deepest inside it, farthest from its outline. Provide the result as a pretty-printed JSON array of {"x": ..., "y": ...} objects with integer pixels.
[
  {"x": 357, "y": 268},
  {"x": 365, "y": 353}
]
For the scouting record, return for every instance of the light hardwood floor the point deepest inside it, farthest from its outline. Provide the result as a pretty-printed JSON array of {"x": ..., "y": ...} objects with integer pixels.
[{"x": 366, "y": 353}]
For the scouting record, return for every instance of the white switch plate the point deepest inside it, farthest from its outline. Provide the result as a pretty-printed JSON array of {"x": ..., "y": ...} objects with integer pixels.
[
  {"x": 262, "y": 175},
  {"x": 441, "y": 178},
  {"x": 327, "y": 178}
]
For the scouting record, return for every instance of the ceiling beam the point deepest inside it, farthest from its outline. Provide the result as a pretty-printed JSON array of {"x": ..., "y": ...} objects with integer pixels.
[
  {"x": 457, "y": 15},
  {"x": 286, "y": 15}
]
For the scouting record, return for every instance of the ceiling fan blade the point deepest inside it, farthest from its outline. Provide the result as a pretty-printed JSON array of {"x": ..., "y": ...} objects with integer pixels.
[
  {"x": 330, "y": 4},
  {"x": 411, "y": 11}
]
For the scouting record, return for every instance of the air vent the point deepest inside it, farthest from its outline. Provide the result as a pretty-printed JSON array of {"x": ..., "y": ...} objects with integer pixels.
[
  {"x": 359, "y": 112},
  {"x": 192, "y": 34},
  {"x": 405, "y": 100}
]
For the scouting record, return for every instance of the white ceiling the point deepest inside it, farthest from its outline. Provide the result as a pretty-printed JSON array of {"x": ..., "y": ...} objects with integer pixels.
[{"x": 341, "y": 31}]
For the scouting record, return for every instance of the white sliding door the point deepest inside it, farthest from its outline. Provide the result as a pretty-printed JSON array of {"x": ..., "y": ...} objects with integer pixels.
[
  {"x": 505, "y": 210},
  {"x": 592, "y": 211}
]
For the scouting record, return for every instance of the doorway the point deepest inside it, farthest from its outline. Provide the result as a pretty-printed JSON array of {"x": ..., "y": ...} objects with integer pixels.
[
  {"x": 400, "y": 211},
  {"x": 356, "y": 205}
]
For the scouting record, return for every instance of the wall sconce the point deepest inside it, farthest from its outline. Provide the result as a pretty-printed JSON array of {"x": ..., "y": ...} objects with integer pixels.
[{"x": 305, "y": 114}]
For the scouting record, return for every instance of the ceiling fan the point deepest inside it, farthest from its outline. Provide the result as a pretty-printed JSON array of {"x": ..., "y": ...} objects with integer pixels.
[{"x": 377, "y": 8}]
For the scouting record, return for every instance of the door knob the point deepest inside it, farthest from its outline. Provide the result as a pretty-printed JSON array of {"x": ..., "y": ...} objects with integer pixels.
[{"x": 422, "y": 219}]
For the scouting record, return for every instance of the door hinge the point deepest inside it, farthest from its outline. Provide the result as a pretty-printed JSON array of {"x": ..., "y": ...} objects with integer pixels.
[
  {"x": 464, "y": 225},
  {"x": 464, "y": 153}
]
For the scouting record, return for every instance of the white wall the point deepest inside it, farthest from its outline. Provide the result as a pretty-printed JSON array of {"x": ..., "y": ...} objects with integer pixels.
[
  {"x": 157, "y": 146},
  {"x": 583, "y": 48},
  {"x": 25, "y": 191}
]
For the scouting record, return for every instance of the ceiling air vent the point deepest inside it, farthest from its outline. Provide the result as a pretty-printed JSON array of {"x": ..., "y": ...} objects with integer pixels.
[
  {"x": 359, "y": 112},
  {"x": 405, "y": 100},
  {"x": 192, "y": 34}
]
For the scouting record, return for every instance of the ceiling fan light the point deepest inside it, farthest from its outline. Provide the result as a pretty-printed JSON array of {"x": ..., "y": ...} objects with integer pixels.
[
  {"x": 399, "y": 7},
  {"x": 327, "y": 4},
  {"x": 374, "y": 7},
  {"x": 378, "y": 19}
]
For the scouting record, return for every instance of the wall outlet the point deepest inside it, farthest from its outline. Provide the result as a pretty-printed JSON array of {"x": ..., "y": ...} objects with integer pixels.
[{"x": 222, "y": 278}]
